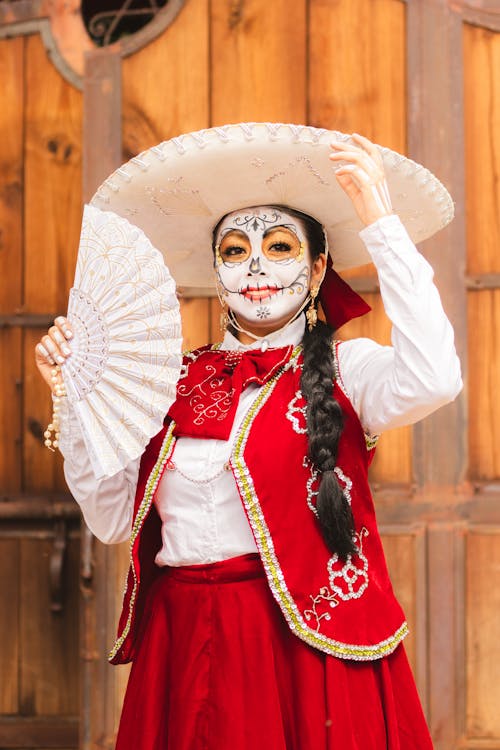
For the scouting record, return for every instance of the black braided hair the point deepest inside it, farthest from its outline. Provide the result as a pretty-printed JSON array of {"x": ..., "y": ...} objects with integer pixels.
[{"x": 324, "y": 414}]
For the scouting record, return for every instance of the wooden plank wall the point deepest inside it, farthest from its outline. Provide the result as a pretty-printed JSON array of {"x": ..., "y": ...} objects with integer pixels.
[
  {"x": 331, "y": 63},
  {"x": 40, "y": 204},
  {"x": 481, "y": 559}
]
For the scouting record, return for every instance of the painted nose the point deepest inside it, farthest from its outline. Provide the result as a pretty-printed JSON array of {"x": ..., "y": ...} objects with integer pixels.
[{"x": 254, "y": 267}]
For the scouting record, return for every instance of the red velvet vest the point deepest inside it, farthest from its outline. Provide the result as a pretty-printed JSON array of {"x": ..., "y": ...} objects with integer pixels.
[{"x": 346, "y": 609}]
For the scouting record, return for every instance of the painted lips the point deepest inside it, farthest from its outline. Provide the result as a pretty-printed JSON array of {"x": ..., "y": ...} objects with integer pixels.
[{"x": 260, "y": 293}]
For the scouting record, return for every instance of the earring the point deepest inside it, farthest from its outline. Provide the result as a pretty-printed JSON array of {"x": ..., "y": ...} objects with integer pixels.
[
  {"x": 224, "y": 316},
  {"x": 311, "y": 312}
]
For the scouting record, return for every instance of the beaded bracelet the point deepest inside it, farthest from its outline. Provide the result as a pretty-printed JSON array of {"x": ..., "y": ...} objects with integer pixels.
[{"x": 59, "y": 392}]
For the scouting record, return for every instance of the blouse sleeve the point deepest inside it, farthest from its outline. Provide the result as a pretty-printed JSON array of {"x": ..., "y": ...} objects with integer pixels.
[
  {"x": 107, "y": 504},
  {"x": 390, "y": 386}
]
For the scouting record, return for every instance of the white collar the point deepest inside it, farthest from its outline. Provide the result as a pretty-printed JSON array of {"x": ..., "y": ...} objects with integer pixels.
[{"x": 288, "y": 335}]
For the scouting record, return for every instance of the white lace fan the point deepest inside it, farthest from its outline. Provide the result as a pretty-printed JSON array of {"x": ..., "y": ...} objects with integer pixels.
[{"x": 121, "y": 377}]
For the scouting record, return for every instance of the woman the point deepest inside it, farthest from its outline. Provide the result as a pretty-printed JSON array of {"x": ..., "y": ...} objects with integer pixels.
[{"x": 258, "y": 610}]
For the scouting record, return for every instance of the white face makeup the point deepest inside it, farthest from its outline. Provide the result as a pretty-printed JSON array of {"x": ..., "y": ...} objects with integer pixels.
[{"x": 262, "y": 264}]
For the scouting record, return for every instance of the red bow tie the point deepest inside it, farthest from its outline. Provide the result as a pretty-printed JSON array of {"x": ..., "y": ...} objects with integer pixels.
[{"x": 209, "y": 392}]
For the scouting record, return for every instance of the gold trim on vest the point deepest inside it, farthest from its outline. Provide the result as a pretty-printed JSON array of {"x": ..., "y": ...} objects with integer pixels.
[
  {"x": 269, "y": 558},
  {"x": 149, "y": 492}
]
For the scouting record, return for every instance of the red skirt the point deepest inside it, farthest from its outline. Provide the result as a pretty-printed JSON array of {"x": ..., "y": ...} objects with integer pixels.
[{"x": 219, "y": 669}]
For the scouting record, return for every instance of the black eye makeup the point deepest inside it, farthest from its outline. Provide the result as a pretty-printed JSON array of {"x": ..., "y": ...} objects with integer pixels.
[{"x": 278, "y": 244}]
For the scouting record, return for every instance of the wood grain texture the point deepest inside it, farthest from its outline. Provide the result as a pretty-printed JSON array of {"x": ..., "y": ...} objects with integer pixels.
[
  {"x": 444, "y": 655},
  {"x": 435, "y": 138},
  {"x": 11, "y": 430},
  {"x": 392, "y": 462},
  {"x": 196, "y": 323},
  {"x": 258, "y": 61},
  {"x": 11, "y": 174},
  {"x": 357, "y": 69},
  {"x": 11, "y": 257},
  {"x": 400, "y": 552},
  {"x": 484, "y": 405},
  {"x": 482, "y": 152},
  {"x": 482, "y": 599},
  {"x": 102, "y": 144},
  {"x": 52, "y": 218},
  {"x": 9, "y": 626},
  {"x": 166, "y": 84},
  {"x": 405, "y": 550},
  {"x": 49, "y": 651}
]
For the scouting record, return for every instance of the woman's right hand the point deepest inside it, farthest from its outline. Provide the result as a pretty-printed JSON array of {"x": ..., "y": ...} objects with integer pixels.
[{"x": 53, "y": 349}]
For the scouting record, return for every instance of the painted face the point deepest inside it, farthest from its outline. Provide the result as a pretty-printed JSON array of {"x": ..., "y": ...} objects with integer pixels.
[{"x": 262, "y": 264}]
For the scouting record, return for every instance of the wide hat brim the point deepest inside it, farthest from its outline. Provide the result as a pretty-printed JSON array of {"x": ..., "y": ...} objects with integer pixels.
[{"x": 176, "y": 192}]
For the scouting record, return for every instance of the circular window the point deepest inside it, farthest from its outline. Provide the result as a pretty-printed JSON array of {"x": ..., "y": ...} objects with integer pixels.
[{"x": 107, "y": 21}]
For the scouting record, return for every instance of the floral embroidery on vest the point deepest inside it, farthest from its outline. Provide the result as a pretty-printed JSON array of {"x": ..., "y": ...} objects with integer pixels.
[
  {"x": 353, "y": 575},
  {"x": 324, "y": 595},
  {"x": 297, "y": 415},
  {"x": 350, "y": 580},
  {"x": 312, "y": 485}
]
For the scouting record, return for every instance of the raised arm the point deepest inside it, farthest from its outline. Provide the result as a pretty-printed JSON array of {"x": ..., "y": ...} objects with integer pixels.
[{"x": 395, "y": 385}]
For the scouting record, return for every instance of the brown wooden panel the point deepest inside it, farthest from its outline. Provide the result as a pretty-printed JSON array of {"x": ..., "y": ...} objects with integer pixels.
[
  {"x": 357, "y": 68},
  {"x": 53, "y": 182},
  {"x": 258, "y": 61},
  {"x": 435, "y": 138},
  {"x": 165, "y": 85},
  {"x": 11, "y": 173},
  {"x": 49, "y": 653},
  {"x": 216, "y": 333},
  {"x": 482, "y": 620},
  {"x": 445, "y": 654},
  {"x": 9, "y": 626},
  {"x": 11, "y": 257},
  {"x": 482, "y": 154},
  {"x": 484, "y": 352},
  {"x": 196, "y": 322},
  {"x": 392, "y": 462},
  {"x": 102, "y": 143},
  {"x": 57, "y": 733},
  {"x": 42, "y": 467},
  {"x": 401, "y": 554},
  {"x": 357, "y": 73},
  {"x": 10, "y": 410}
]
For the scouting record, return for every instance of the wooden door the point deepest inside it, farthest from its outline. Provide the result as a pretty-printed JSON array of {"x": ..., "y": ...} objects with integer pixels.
[{"x": 421, "y": 76}]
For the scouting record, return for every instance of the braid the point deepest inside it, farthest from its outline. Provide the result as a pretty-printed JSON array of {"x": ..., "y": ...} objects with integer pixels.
[
  {"x": 324, "y": 428},
  {"x": 324, "y": 415}
]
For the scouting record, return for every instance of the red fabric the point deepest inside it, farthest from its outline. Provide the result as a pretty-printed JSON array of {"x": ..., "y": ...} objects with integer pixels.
[
  {"x": 350, "y": 603},
  {"x": 209, "y": 392},
  {"x": 218, "y": 668},
  {"x": 340, "y": 303},
  {"x": 312, "y": 588}
]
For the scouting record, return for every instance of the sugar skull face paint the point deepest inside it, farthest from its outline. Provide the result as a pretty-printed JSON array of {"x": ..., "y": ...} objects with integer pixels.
[{"x": 263, "y": 264}]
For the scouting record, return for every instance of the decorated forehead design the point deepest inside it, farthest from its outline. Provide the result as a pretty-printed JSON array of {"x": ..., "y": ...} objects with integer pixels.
[{"x": 256, "y": 220}]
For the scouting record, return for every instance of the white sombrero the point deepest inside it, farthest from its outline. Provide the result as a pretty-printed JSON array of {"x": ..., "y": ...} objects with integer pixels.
[{"x": 177, "y": 191}]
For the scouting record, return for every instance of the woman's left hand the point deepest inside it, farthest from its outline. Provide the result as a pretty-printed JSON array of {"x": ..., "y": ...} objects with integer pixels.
[{"x": 363, "y": 177}]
